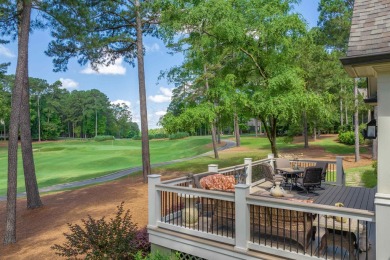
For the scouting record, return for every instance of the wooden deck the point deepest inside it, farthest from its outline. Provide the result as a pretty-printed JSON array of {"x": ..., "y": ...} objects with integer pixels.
[{"x": 351, "y": 197}]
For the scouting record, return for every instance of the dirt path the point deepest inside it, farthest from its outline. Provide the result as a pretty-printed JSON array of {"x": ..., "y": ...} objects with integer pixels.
[{"x": 39, "y": 229}]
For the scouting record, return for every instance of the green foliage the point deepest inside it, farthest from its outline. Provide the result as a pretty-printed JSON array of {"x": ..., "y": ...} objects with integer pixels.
[
  {"x": 160, "y": 136},
  {"x": 178, "y": 135},
  {"x": 288, "y": 139},
  {"x": 349, "y": 138},
  {"x": 345, "y": 128},
  {"x": 101, "y": 138},
  {"x": 375, "y": 166},
  {"x": 335, "y": 22},
  {"x": 50, "y": 131},
  {"x": 157, "y": 256},
  {"x": 101, "y": 239},
  {"x": 136, "y": 137}
]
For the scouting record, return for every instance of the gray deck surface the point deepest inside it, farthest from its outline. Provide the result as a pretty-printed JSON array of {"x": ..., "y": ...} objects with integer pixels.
[{"x": 351, "y": 197}]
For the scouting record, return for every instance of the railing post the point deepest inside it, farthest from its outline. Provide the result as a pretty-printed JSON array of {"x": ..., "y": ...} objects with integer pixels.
[
  {"x": 154, "y": 200},
  {"x": 213, "y": 167},
  {"x": 272, "y": 161},
  {"x": 242, "y": 217},
  {"x": 248, "y": 163},
  {"x": 340, "y": 178}
]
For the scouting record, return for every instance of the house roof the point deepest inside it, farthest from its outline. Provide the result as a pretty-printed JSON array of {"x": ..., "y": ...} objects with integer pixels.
[
  {"x": 370, "y": 29},
  {"x": 369, "y": 40}
]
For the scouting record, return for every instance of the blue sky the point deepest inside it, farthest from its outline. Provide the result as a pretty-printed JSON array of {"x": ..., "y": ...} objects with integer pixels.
[{"x": 119, "y": 82}]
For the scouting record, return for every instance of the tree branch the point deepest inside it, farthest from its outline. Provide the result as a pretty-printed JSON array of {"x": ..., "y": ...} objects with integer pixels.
[{"x": 256, "y": 64}]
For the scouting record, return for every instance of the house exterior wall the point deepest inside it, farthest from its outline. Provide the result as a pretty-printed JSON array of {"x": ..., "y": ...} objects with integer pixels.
[{"x": 382, "y": 198}]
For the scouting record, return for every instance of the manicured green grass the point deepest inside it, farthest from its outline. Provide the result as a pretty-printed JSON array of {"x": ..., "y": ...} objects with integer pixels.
[
  {"x": 333, "y": 146},
  {"x": 366, "y": 173},
  {"x": 67, "y": 161}
]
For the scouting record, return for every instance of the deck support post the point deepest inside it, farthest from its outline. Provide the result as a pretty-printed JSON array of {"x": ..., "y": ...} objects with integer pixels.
[
  {"x": 271, "y": 160},
  {"x": 242, "y": 217},
  {"x": 213, "y": 167},
  {"x": 340, "y": 178},
  {"x": 248, "y": 163},
  {"x": 382, "y": 198},
  {"x": 154, "y": 200}
]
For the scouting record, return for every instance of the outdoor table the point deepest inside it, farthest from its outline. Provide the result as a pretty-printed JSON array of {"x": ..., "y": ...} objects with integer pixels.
[{"x": 291, "y": 173}]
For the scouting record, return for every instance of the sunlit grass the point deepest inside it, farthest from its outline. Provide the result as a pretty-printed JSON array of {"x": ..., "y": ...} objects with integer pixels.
[
  {"x": 331, "y": 145},
  {"x": 68, "y": 161}
]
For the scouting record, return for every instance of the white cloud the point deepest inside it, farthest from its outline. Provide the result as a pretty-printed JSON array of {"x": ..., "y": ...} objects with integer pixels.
[
  {"x": 114, "y": 69},
  {"x": 165, "y": 97},
  {"x": 152, "y": 48},
  {"x": 120, "y": 101},
  {"x": 160, "y": 113},
  {"x": 6, "y": 52},
  {"x": 69, "y": 83}
]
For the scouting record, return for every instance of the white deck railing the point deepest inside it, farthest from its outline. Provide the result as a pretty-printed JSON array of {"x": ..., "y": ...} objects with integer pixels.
[{"x": 175, "y": 206}]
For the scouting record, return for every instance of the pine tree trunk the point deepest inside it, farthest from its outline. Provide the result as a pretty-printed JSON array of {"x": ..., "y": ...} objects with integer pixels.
[
  {"x": 5, "y": 132},
  {"x": 214, "y": 139},
  {"x": 30, "y": 179},
  {"x": 256, "y": 123},
  {"x": 16, "y": 106},
  {"x": 341, "y": 112},
  {"x": 260, "y": 130},
  {"x": 356, "y": 123},
  {"x": 146, "y": 168},
  {"x": 218, "y": 135},
  {"x": 237, "y": 130},
  {"x": 273, "y": 138},
  {"x": 39, "y": 121},
  {"x": 305, "y": 134}
]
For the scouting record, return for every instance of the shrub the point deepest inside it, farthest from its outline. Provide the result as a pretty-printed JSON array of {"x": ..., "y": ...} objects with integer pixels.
[
  {"x": 157, "y": 256},
  {"x": 375, "y": 166},
  {"x": 161, "y": 136},
  {"x": 101, "y": 239},
  {"x": 345, "y": 128},
  {"x": 178, "y": 135},
  {"x": 101, "y": 138},
  {"x": 141, "y": 242},
  {"x": 137, "y": 137},
  {"x": 349, "y": 138}
]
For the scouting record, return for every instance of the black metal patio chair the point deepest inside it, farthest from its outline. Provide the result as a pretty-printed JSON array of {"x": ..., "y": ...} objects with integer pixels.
[{"x": 311, "y": 178}]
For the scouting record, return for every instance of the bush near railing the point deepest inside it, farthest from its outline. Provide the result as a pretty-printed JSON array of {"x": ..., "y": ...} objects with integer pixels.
[{"x": 101, "y": 138}]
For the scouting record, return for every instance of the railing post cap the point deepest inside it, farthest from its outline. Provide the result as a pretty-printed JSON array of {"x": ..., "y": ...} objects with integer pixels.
[
  {"x": 213, "y": 165},
  {"x": 339, "y": 157},
  {"x": 241, "y": 186},
  {"x": 154, "y": 176},
  {"x": 270, "y": 155},
  {"x": 248, "y": 159}
]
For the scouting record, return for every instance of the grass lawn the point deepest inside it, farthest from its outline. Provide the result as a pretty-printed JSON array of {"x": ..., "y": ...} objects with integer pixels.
[
  {"x": 333, "y": 146},
  {"x": 67, "y": 161}
]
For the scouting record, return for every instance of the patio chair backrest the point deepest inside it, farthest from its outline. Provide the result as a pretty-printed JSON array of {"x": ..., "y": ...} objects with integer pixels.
[
  {"x": 282, "y": 163},
  {"x": 312, "y": 176},
  {"x": 324, "y": 167},
  {"x": 267, "y": 171}
]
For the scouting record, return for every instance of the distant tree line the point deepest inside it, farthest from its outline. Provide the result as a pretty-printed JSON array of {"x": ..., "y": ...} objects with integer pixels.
[{"x": 56, "y": 112}]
